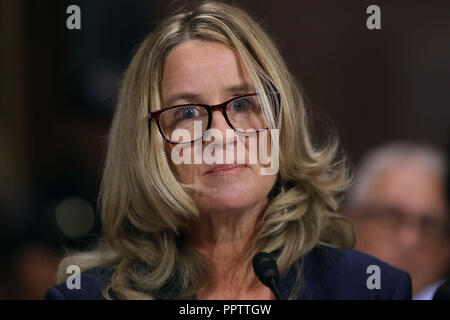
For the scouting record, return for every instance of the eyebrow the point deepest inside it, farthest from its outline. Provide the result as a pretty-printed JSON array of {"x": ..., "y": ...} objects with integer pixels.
[{"x": 240, "y": 88}]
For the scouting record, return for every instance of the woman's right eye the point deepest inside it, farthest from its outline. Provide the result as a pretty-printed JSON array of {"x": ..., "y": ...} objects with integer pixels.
[{"x": 186, "y": 113}]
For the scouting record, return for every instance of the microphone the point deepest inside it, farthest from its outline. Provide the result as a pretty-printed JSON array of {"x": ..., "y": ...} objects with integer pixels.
[
  {"x": 267, "y": 272},
  {"x": 443, "y": 292}
]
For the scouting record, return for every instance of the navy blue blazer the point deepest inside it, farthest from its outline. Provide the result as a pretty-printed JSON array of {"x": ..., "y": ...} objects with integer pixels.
[{"x": 328, "y": 273}]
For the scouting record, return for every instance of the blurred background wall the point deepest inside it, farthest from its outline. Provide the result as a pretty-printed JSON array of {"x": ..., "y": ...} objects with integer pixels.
[{"x": 58, "y": 89}]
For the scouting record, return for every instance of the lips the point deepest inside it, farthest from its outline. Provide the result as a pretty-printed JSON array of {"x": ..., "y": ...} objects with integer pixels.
[{"x": 225, "y": 169}]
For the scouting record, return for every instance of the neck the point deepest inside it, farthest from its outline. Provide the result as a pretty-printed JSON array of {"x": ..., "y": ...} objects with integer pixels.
[{"x": 225, "y": 239}]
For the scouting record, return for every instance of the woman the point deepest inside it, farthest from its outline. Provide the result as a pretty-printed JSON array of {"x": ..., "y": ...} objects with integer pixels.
[{"x": 177, "y": 228}]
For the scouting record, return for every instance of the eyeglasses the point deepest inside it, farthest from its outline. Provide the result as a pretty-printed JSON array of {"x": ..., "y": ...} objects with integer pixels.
[
  {"x": 393, "y": 219},
  {"x": 243, "y": 114}
]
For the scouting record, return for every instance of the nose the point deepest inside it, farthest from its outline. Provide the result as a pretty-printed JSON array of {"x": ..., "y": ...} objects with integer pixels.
[
  {"x": 409, "y": 236},
  {"x": 219, "y": 122},
  {"x": 219, "y": 127}
]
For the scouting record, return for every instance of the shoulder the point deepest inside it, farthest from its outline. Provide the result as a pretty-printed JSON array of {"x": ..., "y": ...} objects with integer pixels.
[
  {"x": 332, "y": 273},
  {"x": 91, "y": 285}
]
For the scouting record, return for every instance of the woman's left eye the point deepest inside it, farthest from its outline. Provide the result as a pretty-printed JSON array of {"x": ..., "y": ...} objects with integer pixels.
[{"x": 241, "y": 105}]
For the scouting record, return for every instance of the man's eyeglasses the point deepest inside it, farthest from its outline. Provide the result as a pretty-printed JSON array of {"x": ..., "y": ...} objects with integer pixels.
[
  {"x": 393, "y": 219},
  {"x": 243, "y": 114}
]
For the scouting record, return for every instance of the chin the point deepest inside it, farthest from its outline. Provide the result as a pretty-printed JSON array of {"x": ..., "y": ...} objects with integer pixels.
[
  {"x": 228, "y": 201},
  {"x": 235, "y": 192}
]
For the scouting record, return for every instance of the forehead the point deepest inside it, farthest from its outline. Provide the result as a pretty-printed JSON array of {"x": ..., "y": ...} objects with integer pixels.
[{"x": 200, "y": 66}]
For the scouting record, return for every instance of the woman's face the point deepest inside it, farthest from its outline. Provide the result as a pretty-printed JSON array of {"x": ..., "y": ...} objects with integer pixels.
[{"x": 208, "y": 72}]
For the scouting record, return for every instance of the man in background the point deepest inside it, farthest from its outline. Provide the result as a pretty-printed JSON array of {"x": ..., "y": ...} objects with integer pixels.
[{"x": 399, "y": 207}]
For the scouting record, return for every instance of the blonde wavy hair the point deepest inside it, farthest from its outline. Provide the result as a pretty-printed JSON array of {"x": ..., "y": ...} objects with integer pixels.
[{"x": 146, "y": 210}]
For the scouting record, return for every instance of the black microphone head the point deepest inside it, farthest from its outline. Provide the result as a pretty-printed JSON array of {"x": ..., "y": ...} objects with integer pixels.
[
  {"x": 265, "y": 267},
  {"x": 443, "y": 292}
]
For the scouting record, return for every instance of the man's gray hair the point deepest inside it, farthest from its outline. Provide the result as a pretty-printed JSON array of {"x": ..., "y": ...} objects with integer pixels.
[{"x": 389, "y": 155}]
